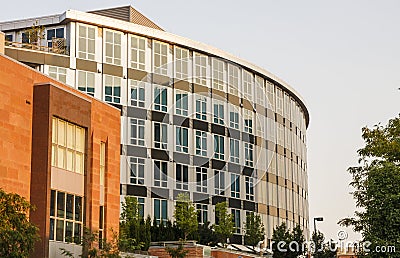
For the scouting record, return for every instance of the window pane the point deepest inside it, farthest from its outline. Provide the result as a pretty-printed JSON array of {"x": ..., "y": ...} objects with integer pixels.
[
  {"x": 60, "y": 204},
  {"x": 60, "y": 230},
  {"x": 70, "y": 206}
]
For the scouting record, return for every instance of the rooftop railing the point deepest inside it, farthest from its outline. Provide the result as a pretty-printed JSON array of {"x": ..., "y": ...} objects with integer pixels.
[{"x": 63, "y": 50}]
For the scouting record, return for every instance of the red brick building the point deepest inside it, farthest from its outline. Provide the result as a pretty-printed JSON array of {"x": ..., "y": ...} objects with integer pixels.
[{"x": 60, "y": 149}]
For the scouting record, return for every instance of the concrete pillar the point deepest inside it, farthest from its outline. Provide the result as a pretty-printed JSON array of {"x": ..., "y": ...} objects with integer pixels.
[{"x": 2, "y": 41}]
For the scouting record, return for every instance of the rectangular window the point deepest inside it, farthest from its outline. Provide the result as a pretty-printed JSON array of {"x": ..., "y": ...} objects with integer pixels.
[
  {"x": 68, "y": 146},
  {"x": 279, "y": 101},
  {"x": 219, "y": 147},
  {"x": 160, "y": 135},
  {"x": 54, "y": 34},
  {"x": 200, "y": 69},
  {"x": 181, "y": 63},
  {"x": 58, "y": 73},
  {"x": 86, "y": 82},
  {"x": 201, "y": 107},
  {"x": 141, "y": 206},
  {"x": 249, "y": 188},
  {"x": 248, "y": 86},
  {"x": 160, "y": 211},
  {"x": 160, "y": 173},
  {"x": 271, "y": 95},
  {"x": 233, "y": 117},
  {"x": 248, "y": 120},
  {"x": 234, "y": 150},
  {"x": 201, "y": 179},
  {"x": 113, "y": 47},
  {"x": 181, "y": 103},
  {"x": 235, "y": 185},
  {"x": 137, "y": 171},
  {"x": 9, "y": 38},
  {"x": 260, "y": 90},
  {"x": 219, "y": 182},
  {"x": 160, "y": 98},
  {"x": 66, "y": 224},
  {"x": 101, "y": 226},
  {"x": 137, "y": 93},
  {"x": 138, "y": 52},
  {"x": 202, "y": 213},
  {"x": 137, "y": 131},
  {"x": 236, "y": 220},
  {"x": 102, "y": 162},
  {"x": 182, "y": 177},
  {"x": 160, "y": 57},
  {"x": 182, "y": 139},
  {"x": 112, "y": 89},
  {"x": 86, "y": 42},
  {"x": 233, "y": 79},
  {"x": 218, "y": 74},
  {"x": 201, "y": 143},
  {"x": 248, "y": 154},
  {"x": 218, "y": 112}
]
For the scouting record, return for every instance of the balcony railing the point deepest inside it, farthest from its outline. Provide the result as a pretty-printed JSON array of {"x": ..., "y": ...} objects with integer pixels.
[{"x": 63, "y": 50}]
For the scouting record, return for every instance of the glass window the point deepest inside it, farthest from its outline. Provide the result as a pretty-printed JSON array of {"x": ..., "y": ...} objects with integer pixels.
[
  {"x": 54, "y": 34},
  {"x": 181, "y": 63},
  {"x": 201, "y": 143},
  {"x": 138, "y": 52},
  {"x": 249, "y": 188},
  {"x": 160, "y": 98},
  {"x": 260, "y": 91},
  {"x": 200, "y": 68},
  {"x": 137, "y": 93},
  {"x": 235, "y": 185},
  {"x": 236, "y": 220},
  {"x": 137, "y": 171},
  {"x": 219, "y": 147},
  {"x": 201, "y": 107},
  {"x": 201, "y": 179},
  {"x": 68, "y": 146},
  {"x": 58, "y": 73},
  {"x": 65, "y": 226},
  {"x": 202, "y": 213},
  {"x": 279, "y": 101},
  {"x": 248, "y": 120},
  {"x": 86, "y": 82},
  {"x": 234, "y": 150},
  {"x": 182, "y": 139},
  {"x": 160, "y": 211},
  {"x": 219, "y": 182},
  {"x": 160, "y": 135},
  {"x": 218, "y": 112},
  {"x": 182, "y": 177},
  {"x": 160, "y": 57},
  {"x": 160, "y": 173},
  {"x": 181, "y": 103},
  {"x": 248, "y": 86},
  {"x": 112, "y": 91},
  {"x": 233, "y": 117},
  {"x": 9, "y": 38},
  {"x": 141, "y": 206},
  {"x": 271, "y": 95},
  {"x": 248, "y": 154},
  {"x": 218, "y": 74},
  {"x": 86, "y": 42},
  {"x": 113, "y": 47},
  {"x": 137, "y": 131},
  {"x": 233, "y": 79}
]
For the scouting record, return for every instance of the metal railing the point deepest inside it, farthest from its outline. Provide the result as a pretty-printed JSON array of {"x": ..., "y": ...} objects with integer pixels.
[{"x": 55, "y": 50}]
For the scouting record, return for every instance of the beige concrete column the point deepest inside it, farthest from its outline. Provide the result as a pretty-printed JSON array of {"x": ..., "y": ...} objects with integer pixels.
[{"x": 2, "y": 41}]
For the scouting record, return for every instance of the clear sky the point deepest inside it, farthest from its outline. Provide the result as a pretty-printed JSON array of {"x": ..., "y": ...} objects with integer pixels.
[{"x": 342, "y": 56}]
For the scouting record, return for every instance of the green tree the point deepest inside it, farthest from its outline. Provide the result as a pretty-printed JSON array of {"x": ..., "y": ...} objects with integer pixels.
[
  {"x": 376, "y": 183},
  {"x": 206, "y": 236},
  {"x": 17, "y": 234},
  {"x": 225, "y": 227},
  {"x": 320, "y": 248},
  {"x": 185, "y": 215},
  {"x": 35, "y": 34},
  {"x": 178, "y": 252},
  {"x": 287, "y": 244},
  {"x": 254, "y": 229}
]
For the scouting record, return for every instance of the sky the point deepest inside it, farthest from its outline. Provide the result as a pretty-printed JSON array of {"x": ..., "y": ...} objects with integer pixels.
[{"x": 343, "y": 57}]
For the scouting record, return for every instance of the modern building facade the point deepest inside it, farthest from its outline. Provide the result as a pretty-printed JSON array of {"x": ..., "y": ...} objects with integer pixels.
[
  {"x": 60, "y": 150},
  {"x": 194, "y": 119}
]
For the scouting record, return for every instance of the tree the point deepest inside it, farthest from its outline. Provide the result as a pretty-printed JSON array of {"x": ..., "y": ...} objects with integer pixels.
[
  {"x": 206, "y": 236},
  {"x": 224, "y": 228},
  {"x": 178, "y": 252},
  {"x": 134, "y": 232},
  {"x": 185, "y": 215},
  {"x": 35, "y": 34},
  {"x": 287, "y": 244},
  {"x": 320, "y": 248},
  {"x": 254, "y": 229},
  {"x": 17, "y": 234},
  {"x": 376, "y": 183}
]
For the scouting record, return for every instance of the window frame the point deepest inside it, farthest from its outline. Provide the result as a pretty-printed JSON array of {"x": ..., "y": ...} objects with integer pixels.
[
  {"x": 136, "y": 176},
  {"x": 160, "y": 177},
  {"x": 219, "y": 147}
]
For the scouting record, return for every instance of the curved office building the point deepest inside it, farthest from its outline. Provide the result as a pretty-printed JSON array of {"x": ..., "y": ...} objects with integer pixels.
[{"x": 194, "y": 118}]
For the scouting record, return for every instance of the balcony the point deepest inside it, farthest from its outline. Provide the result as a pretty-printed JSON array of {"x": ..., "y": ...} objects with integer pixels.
[{"x": 58, "y": 46}]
